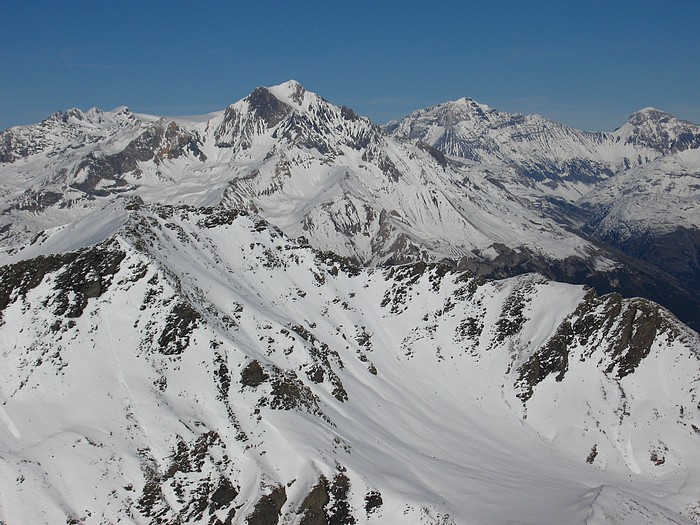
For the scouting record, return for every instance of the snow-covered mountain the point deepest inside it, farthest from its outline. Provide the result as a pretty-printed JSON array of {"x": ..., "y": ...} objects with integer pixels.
[
  {"x": 636, "y": 188},
  {"x": 319, "y": 171},
  {"x": 195, "y": 365},
  {"x": 556, "y": 159},
  {"x": 309, "y": 167},
  {"x": 652, "y": 211},
  {"x": 278, "y": 313}
]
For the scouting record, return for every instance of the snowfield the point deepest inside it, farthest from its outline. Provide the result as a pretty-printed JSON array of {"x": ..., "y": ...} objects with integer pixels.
[{"x": 197, "y": 366}]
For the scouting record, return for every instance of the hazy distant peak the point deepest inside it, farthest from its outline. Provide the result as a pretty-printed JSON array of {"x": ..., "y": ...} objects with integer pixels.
[
  {"x": 649, "y": 113},
  {"x": 471, "y": 103}
]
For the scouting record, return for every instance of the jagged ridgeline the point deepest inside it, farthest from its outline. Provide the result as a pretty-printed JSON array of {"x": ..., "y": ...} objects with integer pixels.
[
  {"x": 196, "y": 365},
  {"x": 496, "y": 193}
]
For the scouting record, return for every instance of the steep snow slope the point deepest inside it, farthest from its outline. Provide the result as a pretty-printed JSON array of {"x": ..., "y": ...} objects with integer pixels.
[
  {"x": 652, "y": 212},
  {"x": 197, "y": 366}
]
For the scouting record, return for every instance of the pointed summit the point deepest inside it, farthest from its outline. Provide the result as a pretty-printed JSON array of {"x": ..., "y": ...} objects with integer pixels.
[
  {"x": 290, "y": 92},
  {"x": 471, "y": 103},
  {"x": 660, "y": 131},
  {"x": 649, "y": 114}
]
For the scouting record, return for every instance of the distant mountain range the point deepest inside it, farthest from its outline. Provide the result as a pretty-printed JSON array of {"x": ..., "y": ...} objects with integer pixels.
[
  {"x": 496, "y": 193},
  {"x": 635, "y": 189},
  {"x": 284, "y": 313}
]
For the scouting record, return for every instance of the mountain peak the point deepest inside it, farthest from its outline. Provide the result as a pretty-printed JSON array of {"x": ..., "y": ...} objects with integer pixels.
[
  {"x": 289, "y": 92},
  {"x": 649, "y": 114},
  {"x": 660, "y": 131},
  {"x": 471, "y": 103}
]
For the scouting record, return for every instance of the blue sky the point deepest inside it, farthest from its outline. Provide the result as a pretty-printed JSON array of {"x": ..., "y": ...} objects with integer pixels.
[{"x": 588, "y": 64}]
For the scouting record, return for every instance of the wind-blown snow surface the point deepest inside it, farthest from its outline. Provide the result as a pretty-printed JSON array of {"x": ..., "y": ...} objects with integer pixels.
[{"x": 198, "y": 366}]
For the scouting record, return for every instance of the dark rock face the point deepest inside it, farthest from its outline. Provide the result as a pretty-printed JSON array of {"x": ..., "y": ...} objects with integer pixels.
[
  {"x": 576, "y": 170},
  {"x": 110, "y": 168},
  {"x": 253, "y": 375},
  {"x": 79, "y": 276},
  {"x": 676, "y": 252},
  {"x": 340, "y": 512},
  {"x": 634, "y": 278},
  {"x": 373, "y": 500},
  {"x": 327, "y": 503},
  {"x": 267, "y": 107},
  {"x": 223, "y": 496},
  {"x": 269, "y": 508},
  {"x": 313, "y": 508},
  {"x": 626, "y": 331}
]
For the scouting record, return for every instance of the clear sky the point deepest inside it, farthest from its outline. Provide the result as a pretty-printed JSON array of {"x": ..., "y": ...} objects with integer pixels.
[{"x": 585, "y": 63}]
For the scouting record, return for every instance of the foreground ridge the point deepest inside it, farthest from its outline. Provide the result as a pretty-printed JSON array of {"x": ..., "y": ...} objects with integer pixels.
[{"x": 196, "y": 365}]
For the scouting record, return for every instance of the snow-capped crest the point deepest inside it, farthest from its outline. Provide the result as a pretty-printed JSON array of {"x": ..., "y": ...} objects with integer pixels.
[
  {"x": 647, "y": 113},
  {"x": 659, "y": 131},
  {"x": 291, "y": 92}
]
